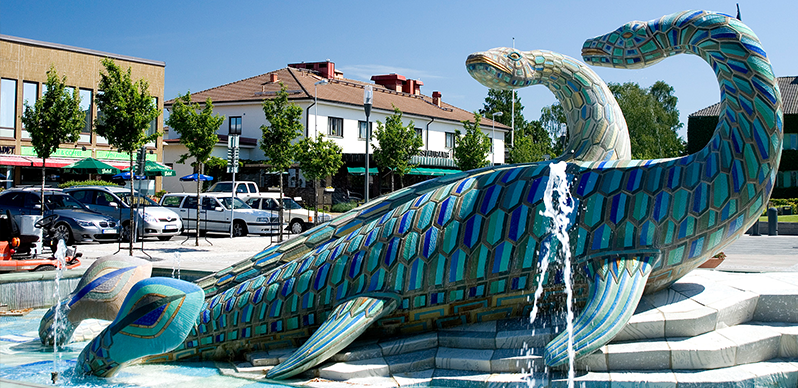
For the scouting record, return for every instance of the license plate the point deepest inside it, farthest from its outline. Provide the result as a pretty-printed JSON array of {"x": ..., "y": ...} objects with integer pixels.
[
  {"x": 109, "y": 231},
  {"x": 170, "y": 228}
]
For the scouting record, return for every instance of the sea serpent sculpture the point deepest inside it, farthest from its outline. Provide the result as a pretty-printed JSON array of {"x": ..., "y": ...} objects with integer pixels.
[
  {"x": 597, "y": 131},
  {"x": 469, "y": 250}
]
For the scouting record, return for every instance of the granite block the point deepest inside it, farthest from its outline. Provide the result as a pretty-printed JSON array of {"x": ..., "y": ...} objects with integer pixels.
[
  {"x": 596, "y": 361},
  {"x": 467, "y": 339},
  {"x": 777, "y": 307},
  {"x": 516, "y": 361},
  {"x": 774, "y": 373},
  {"x": 413, "y": 361},
  {"x": 589, "y": 379},
  {"x": 707, "y": 351},
  {"x": 643, "y": 355},
  {"x": 364, "y": 352},
  {"x": 464, "y": 359},
  {"x": 754, "y": 343},
  {"x": 489, "y": 326},
  {"x": 688, "y": 318},
  {"x": 643, "y": 379},
  {"x": 355, "y": 369},
  {"x": 643, "y": 325},
  {"x": 509, "y": 380},
  {"x": 261, "y": 359},
  {"x": 530, "y": 338},
  {"x": 733, "y": 377},
  {"x": 420, "y": 378},
  {"x": 788, "y": 346},
  {"x": 458, "y": 379},
  {"x": 409, "y": 344}
]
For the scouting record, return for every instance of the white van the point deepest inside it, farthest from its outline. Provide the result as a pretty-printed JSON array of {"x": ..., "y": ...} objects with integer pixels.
[{"x": 215, "y": 214}]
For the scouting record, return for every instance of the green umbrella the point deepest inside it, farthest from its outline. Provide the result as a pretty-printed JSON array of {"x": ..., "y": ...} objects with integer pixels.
[
  {"x": 153, "y": 168},
  {"x": 91, "y": 166}
]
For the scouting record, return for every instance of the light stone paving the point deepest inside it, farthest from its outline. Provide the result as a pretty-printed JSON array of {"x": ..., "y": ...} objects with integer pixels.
[{"x": 701, "y": 332}]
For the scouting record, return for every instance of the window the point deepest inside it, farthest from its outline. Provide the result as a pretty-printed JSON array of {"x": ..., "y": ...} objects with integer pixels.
[
  {"x": 8, "y": 107},
  {"x": 420, "y": 134},
  {"x": 190, "y": 203},
  {"x": 335, "y": 126},
  {"x": 30, "y": 93},
  {"x": 153, "y": 128},
  {"x": 449, "y": 140},
  {"x": 85, "y": 106},
  {"x": 171, "y": 201},
  {"x": 361, "y": 129},
  {"x": 254, "y": 203},
  {"x": 83, "y": 196},
  {"x": 235, "y": 125},
  {"x": 252, "y": 188},
  {"x": 98, "y": 119}
]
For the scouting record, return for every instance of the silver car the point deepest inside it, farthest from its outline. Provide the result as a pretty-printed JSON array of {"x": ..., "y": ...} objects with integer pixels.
[{"x": 152, "y": 220}]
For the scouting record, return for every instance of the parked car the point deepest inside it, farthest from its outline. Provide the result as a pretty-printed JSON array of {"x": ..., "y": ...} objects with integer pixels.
[
  {"x": 76, "y": 222},
  {"x": 298, "y": 218},
  {"x": 244, "y": 189},
  {"x": 152, "y": 219},
  {"x": 215, "y": 214}
]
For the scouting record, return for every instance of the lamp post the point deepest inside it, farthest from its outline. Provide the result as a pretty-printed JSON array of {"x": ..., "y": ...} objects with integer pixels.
[
  {"x": 316, "y": 105},
  {"x": 493, "y": 137},
  {"x": 368, "y": 99},
  {"x": 233, "y": 133}
]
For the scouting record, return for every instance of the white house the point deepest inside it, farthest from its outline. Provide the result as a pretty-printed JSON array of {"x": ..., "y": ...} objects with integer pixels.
[{"x": 333, "y": 105}]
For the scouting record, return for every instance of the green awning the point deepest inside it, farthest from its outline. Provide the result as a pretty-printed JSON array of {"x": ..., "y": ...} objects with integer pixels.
[
  {"x": 361, "y": 170},
  {"x": 91, "y": 166},
  {"x": 153, "y": 168},
  {"x": 431, "y": 171}
]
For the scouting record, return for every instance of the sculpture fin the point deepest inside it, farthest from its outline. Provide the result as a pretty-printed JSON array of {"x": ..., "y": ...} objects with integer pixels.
[
  {"x": 616, "y": 285},
  {"x": 156, "y": 317},
  {"x": 345, "y": 323}
]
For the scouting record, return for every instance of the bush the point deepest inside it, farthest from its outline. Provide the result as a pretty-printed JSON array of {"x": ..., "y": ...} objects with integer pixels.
[
  {"x": 86, "y": 183},
  {"x": 779, "y": 202},
  {"x": 343, "y": 207}
]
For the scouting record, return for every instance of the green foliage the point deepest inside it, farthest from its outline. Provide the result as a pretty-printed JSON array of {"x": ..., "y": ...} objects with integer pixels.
[
  {"x": 285, "y": 125},
  {"x": 55, "y": 118},
  {"x": 501, "y": 101},
  {"x": 554, "y": 122},
  {"x": 318, "y": 158},
  {"x": 779, "y": 202},
  {"x": 85, "y": 183},
  {"x": 197, "y": 128},
  {"x": 532, "y": 144},
  {"x": 126, "y": 108},
  {"x": 343, "y": 207},
  {"x": 396, "y": 144},
  {"x": 471, "y": 150},
  {"x": 652, "y": 118}
]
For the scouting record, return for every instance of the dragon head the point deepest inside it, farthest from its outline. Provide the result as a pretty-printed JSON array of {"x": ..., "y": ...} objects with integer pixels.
[
  {"x": 501, "y": 68},
  {"x": 632, "y": 46}
]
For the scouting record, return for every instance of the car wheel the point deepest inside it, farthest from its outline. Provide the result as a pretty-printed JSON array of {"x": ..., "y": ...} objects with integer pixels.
[
  {"x": 239, "y": 229},
  {"x": 164, "y": 238},
  {"x": 44, "y": 268},
  {"x": 63, "y": 232},
  {"x": 126, "y": 232},
  {"x": 296, "y": 226}
]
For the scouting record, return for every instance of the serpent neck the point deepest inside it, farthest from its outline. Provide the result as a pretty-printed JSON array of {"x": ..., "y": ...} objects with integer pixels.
[
  {"x": 750, "y": 121},
  {"x": 585, "y": 99}
]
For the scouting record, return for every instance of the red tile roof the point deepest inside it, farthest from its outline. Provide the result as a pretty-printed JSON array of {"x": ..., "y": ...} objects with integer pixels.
[{"x": 299, "y": 85}]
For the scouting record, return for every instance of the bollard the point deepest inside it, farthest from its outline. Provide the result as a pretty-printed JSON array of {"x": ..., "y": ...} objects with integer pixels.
[
  {"x": 754, "y": 229},
  {"x": 773, "y": 222}
]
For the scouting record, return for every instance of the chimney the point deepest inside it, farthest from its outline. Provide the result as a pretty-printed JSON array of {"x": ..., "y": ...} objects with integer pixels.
[
  {"x": 273, "y": 77},
  {"x": 324, "y": 69},
  {"x": 436, "y": 98}
]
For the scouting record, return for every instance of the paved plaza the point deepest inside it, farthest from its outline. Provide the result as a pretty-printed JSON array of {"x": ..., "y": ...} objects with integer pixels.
[{"x": 215, "y": 252}]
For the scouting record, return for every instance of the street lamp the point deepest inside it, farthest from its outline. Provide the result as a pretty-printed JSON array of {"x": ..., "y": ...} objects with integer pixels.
[
  {"x": 316, "y": 104},
  {"x": 493, "y": 137},
  {"x": 368, "y": 99}
]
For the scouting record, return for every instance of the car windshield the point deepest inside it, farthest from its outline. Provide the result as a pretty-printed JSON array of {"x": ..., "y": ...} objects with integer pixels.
[
  {"x": 61, "y": 201},
  {"x": 221, "y": 188},
  {"x": 290, "y": 204},
  {"x": 239, "y": 204},
  {"x": 138, "y": 200}
]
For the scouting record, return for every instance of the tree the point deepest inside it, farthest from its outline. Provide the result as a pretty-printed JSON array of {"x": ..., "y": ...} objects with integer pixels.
[
  {"x": 553, "y": 121},
  {"x": 652, "y": 118},
  {"x": 285, "y": 125},
  {"x": 501, "y": 101},
  {"x": 127, "y": 109},
  {"x": 318, "y": 159},
  {"x": 532, "y": 144},
  {"x": 471, "y": 150},
  {"x": 54, "y": 119},
  {"x": 197, "y": 129},
  {"x": 396, "y": 145}
]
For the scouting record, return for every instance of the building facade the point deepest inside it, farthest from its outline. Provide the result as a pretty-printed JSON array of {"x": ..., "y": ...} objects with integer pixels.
[
  {"x": 333, "y": 106},
  {"x": 23, "y": 74}
]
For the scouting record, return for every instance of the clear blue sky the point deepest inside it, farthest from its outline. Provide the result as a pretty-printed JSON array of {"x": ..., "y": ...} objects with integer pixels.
[{"x": 207, "y": 44}]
